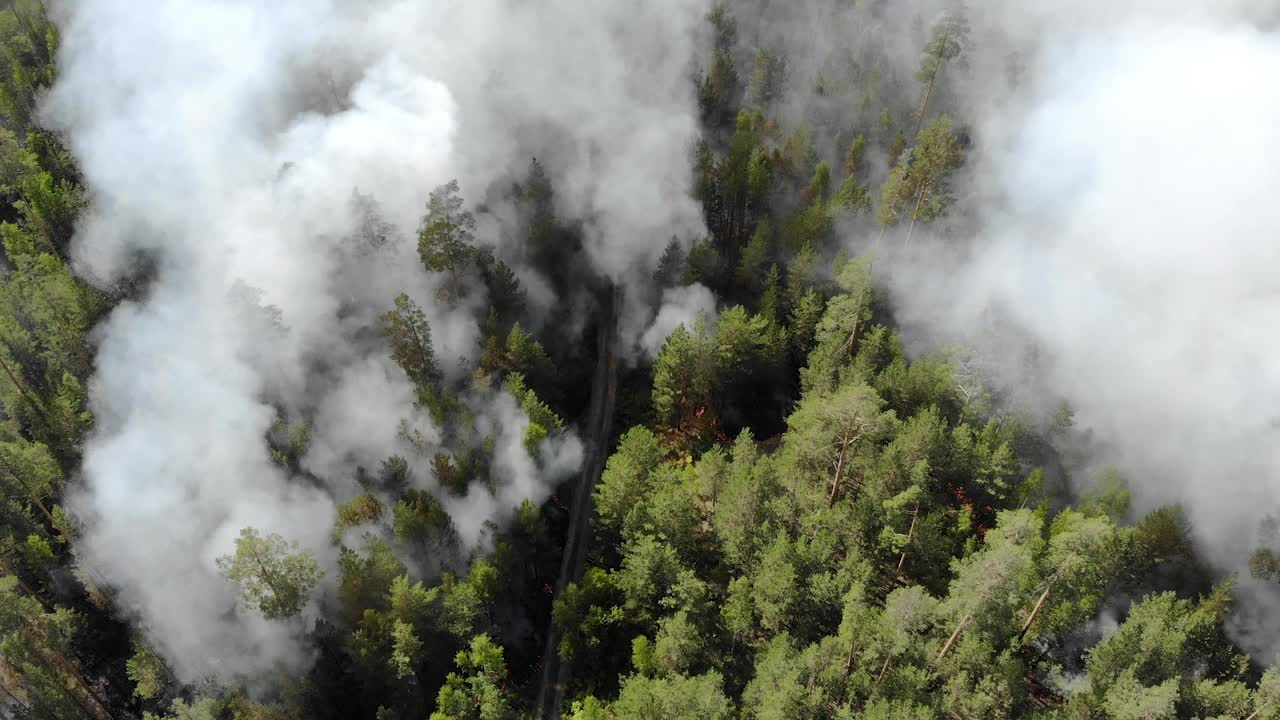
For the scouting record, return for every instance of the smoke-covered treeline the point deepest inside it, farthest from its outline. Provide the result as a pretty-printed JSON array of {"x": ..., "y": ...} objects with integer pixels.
[{"x": 927, "y": 342}]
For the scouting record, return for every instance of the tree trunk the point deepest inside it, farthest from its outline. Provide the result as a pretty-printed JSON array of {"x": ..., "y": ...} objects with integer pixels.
[
  {"x": 56, "y": 252},
  {"x": 4, "y": 567},
  {"x": 31, "y": 494},
  {"x": 952, "y": 640},
  {"x": 883, "y": 669},
  {"x": 13, "y": 671},
  {"x": 911, "y": 229},
  {"x": 924, "y": 107},
  {"x": 1034, "y": 612},
  {"x": 835, "y": 479},
  {"x": 78, "y": 678},
  {"x": 22, "y": 387},
  {"x": 915, "y": 515},
  {"x": 14, "y": 699},
  {"x": 56, "y": 666},
  {"x": 928, "y": 92}
]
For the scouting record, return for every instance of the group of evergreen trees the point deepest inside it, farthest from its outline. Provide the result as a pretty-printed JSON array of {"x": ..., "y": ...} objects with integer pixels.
[{"x": 797, "y": 521}]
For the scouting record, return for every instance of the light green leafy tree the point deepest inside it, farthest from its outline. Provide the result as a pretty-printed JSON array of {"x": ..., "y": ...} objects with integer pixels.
[
  {"x": 477, "y": 690},
  {"x": 271, "y": 575},
  {"x": 696, "y": 698}
]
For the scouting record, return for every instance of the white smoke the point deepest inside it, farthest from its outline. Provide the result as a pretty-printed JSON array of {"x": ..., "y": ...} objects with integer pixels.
[
  {"x": 224, "y": 140},
  {"x": 1126, "y": 224},
  {"x": 680, "y": 306}
]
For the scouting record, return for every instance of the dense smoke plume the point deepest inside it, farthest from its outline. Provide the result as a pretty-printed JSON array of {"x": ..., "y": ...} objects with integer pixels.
[
  {"x": 680, "y": 306},
  {"x": 224, "y": 142},
  {"x": 1125, "y": 229}
]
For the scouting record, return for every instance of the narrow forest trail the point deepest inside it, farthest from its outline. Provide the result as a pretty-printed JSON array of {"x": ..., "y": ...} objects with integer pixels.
[{"x": 598, "y": 430}]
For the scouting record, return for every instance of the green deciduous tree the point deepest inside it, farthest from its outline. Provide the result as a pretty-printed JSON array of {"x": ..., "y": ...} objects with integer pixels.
[
  {"x": 271, "y": 575},
  {"x": 477, "y": 691},
  {"x": 697, "y": 698}
]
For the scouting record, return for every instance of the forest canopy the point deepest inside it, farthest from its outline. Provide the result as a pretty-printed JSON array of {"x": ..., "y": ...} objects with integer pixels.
[{"x": 639, "y": 407}]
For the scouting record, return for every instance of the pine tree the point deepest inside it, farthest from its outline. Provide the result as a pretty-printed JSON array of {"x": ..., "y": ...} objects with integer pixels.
[
  {"x": 477, "y": 690},
  {"x": 684, "y": 379},
  {"x": 671, "y": 266},
  {"x": 767, "y": 79},
  {"x": 409, "y": 335},
  {"x": 918, "y": 185},
  {"x": 446, "y": 237}
]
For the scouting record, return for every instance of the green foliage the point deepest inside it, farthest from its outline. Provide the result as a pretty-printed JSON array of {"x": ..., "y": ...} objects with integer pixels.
[
  {"x": 39, "y": 554},
  {"x": 542, "y": 419},
  {"x": 767, "y": 77},
  {"x": 744, "y": 515},
  {"x": 627, "y": 477},
  {"x": 846, "y": 317},
  {"x": 446, "y": 237},
  {"x": 877, "y": 542},
  {"x": 271, "y": 576},
  {"x": 1267, "y": 703},
  {"x": 703, "y": 264},
  {"x": 476, "y": 691},
  {"x": 409, "y": 335},
  {"x": 202, "y": 709},
  {"x": 853, "y": 158},
  {"x": 720, "y": 88},
  {"x": 586, "y": 615},
  {"x": 420, "y": 519},
  {"x": 947, "y": 42},
  {"x": 678, "y": 646},
  {"x": 852, "y": 196},
  {"x": 819, "y": 184},
  {"x": 671, "y": 266},
  {"x": 717, "y": 91},
  {"x": 829, "y": 437},
  {"x": 696, "y": 698},
  {"x": 36, "y": 643},
  {"x": 506, "y": 298},
  {"x": 649, "y": 573},
  {"x": 361, "y": 509},
  {"x": 148, "y": 672},
  {"x": 750, "y": 274},
  {"x": 917, "y": 186},
  {"x": 1154, "y": 665},
  {"x": 684, "y": 378}
]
